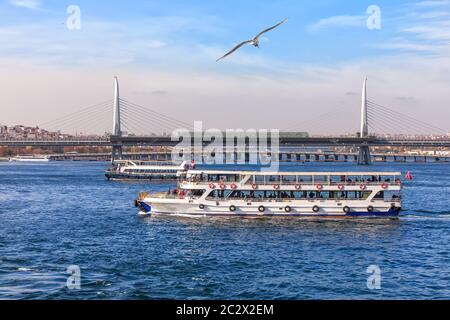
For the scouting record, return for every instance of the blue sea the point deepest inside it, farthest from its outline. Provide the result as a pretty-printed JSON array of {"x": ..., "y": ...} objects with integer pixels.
[{"x": 63, "y": 214}]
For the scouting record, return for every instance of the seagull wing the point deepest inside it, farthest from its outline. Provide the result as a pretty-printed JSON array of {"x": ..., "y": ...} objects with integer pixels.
[
  {"x": 234, "y": 49},
  {"x": 271, "y": 28}
]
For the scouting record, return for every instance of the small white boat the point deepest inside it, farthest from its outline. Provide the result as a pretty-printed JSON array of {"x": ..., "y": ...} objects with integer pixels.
[
  {"x": 294, "y": 194},
  {"x": 146, "y": 170},
  {"x": 30, "y": 158}
]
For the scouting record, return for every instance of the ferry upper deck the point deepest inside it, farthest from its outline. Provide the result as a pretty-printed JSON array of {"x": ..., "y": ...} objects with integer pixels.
[{"x": 292, "y": 177}]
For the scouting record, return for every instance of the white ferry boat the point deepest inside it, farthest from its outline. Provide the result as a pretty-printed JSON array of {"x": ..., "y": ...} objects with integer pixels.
[
  {"x": 300, "y": 194},
  {"x": 146, "y": 170},
  {"x": 30, "y": 158}
]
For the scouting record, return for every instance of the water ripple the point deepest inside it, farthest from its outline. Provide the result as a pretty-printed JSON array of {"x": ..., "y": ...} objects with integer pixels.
[{"x": 61, "y": 214}]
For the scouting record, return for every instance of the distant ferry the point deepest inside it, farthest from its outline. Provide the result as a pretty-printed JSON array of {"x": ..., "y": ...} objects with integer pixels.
[
  {"x": 30, "y": 158},
  {"x": 296, "y": 194},
  {"x": 146, "y": 170}
]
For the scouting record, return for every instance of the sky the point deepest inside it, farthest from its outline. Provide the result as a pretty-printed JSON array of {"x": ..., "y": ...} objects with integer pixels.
[{"x": 306, "y": 75}]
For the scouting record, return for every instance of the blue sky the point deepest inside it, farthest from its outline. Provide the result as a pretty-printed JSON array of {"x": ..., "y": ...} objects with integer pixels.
[{"x": 313, "y": 63}]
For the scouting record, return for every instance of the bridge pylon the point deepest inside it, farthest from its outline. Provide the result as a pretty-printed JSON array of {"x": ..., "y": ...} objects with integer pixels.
[
  {"x": 364, "y": 151},
  {"x": 116, "y": 152}
]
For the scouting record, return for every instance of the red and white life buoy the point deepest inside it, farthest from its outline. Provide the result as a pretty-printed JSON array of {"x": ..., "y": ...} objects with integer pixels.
[
  {"x": 212, "y": 186},
  {"x": 297, "y": 187},
  {"x": 362, "y": 186},
  {"x": 276, "y": 186},
  {"x": 385, "y": 186},
  {"x": 233, "y": 186},
  {"x": 254, "y": 186},
  {"x": 222, "y": 186},
  {"x": 340, "y": 186},
  {"x": 319, "y": 186}
]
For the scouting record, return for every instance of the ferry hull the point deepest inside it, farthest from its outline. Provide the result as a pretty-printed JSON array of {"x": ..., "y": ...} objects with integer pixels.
[
  {"x": 149, "y": 208},
  {"x": 127, "y": 177},
  {"x": 29, "y": 160}
]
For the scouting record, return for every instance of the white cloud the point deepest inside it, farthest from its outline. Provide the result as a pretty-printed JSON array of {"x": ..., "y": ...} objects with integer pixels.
[
  {"x": 29, "y": 4},
  {"x": 339, "y": 21}
]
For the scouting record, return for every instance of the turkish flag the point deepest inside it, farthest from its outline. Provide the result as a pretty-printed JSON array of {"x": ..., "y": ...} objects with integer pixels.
[{"x": 409, "y": 176}]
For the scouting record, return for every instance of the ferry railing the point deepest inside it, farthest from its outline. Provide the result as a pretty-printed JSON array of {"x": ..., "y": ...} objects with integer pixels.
[
  {"x": 217, "y": 199},
  {"x": 326, "y": 183}
]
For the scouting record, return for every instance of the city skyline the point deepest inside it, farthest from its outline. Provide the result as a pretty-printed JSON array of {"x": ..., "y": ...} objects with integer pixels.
[{"x": 164, "y": 55}]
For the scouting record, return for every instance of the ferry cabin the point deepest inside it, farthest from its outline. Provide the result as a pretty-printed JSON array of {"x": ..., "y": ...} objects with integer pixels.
[
  {"x": 145, "y": 170},
  {"x": 282, "y": 193}
]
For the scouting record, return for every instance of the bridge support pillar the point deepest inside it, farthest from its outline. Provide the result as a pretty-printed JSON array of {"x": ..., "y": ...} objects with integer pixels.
[
  {"x": 364, "y": 151},
  {"x": 364, "y": 156},
  {"x": 116, "y": 153}
]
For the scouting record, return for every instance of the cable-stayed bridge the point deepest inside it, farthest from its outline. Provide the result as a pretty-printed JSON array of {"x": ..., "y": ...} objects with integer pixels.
[{"x": 131, "y": 128}]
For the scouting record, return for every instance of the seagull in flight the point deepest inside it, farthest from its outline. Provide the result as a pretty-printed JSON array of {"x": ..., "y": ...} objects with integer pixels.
[{"x": 254, "y": 41}]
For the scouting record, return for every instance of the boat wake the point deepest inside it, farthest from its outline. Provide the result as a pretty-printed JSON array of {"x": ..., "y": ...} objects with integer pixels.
[{"x": 426, "y": 214}]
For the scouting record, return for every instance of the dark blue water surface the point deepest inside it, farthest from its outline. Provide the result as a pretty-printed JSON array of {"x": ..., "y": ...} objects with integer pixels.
[{"x": 60, "y": 214}]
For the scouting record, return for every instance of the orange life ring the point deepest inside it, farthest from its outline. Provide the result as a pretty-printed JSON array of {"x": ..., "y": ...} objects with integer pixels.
[
  {"x": 297, "y": 187},
  {"x": 340, "y": 186},
  {"x": 385, "y": 185},
  {"x": 319, "y": 186},
  {"x": 276, "y": 186},
  {"x": 222, "y": 186},
  {"x": 362, "y": 186},
  {"x": 233, "y": 186},
  {"x": 212, "y": 186},
  {"x": 254, "y": 186}
]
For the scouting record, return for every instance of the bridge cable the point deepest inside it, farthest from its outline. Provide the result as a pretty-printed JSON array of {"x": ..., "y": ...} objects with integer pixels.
[
  {"x": 168, "y": 118},
  {"x": 160, "y": 122},
  {"x": 76, "y": 113},
  {"x": 136, "y": 119},
  {"x": 403, "y": 117}
]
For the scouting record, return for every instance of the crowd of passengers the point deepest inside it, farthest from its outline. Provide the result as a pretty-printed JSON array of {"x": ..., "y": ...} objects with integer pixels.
[
  {"x": 273, "y": 179},
  {"x": 271, "y": 195}
]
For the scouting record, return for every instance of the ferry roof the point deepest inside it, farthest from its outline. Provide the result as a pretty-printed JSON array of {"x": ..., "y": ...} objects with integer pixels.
[
  {"x": 296, "y": 173},
  {"x": 153, "y": 167}
]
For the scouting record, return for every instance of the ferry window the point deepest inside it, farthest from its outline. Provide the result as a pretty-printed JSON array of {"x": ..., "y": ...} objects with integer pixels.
[
  {"x": 339, "y": 195},
  {"x": 379, "y": 195},
  {"x": 337, "y": 179},
  {"x": 320, "y": 179},
  {"x": 351, "y": 195},
  {"x": 213, "y": 194},
  {"x": 391, "y": 195},
  {"x": 259, "y": 179},
  {"x": 324, "y": 194},
  {"x": 212, "y": 177},
  {"x": 299, "y": 194},
  {"x": 273, "y": 179},
  {"x": 366, "y": 194},
  {"x": 288, "y": 179},
  {"x": 271, "y": 194},
  {"x": 219, "y": 194},
  {"x": 353, "y": 179},
  {"x": 197, "y": 193},
  {"x": 305, "y": 179},
  {"x": 258, "y": 195}
]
